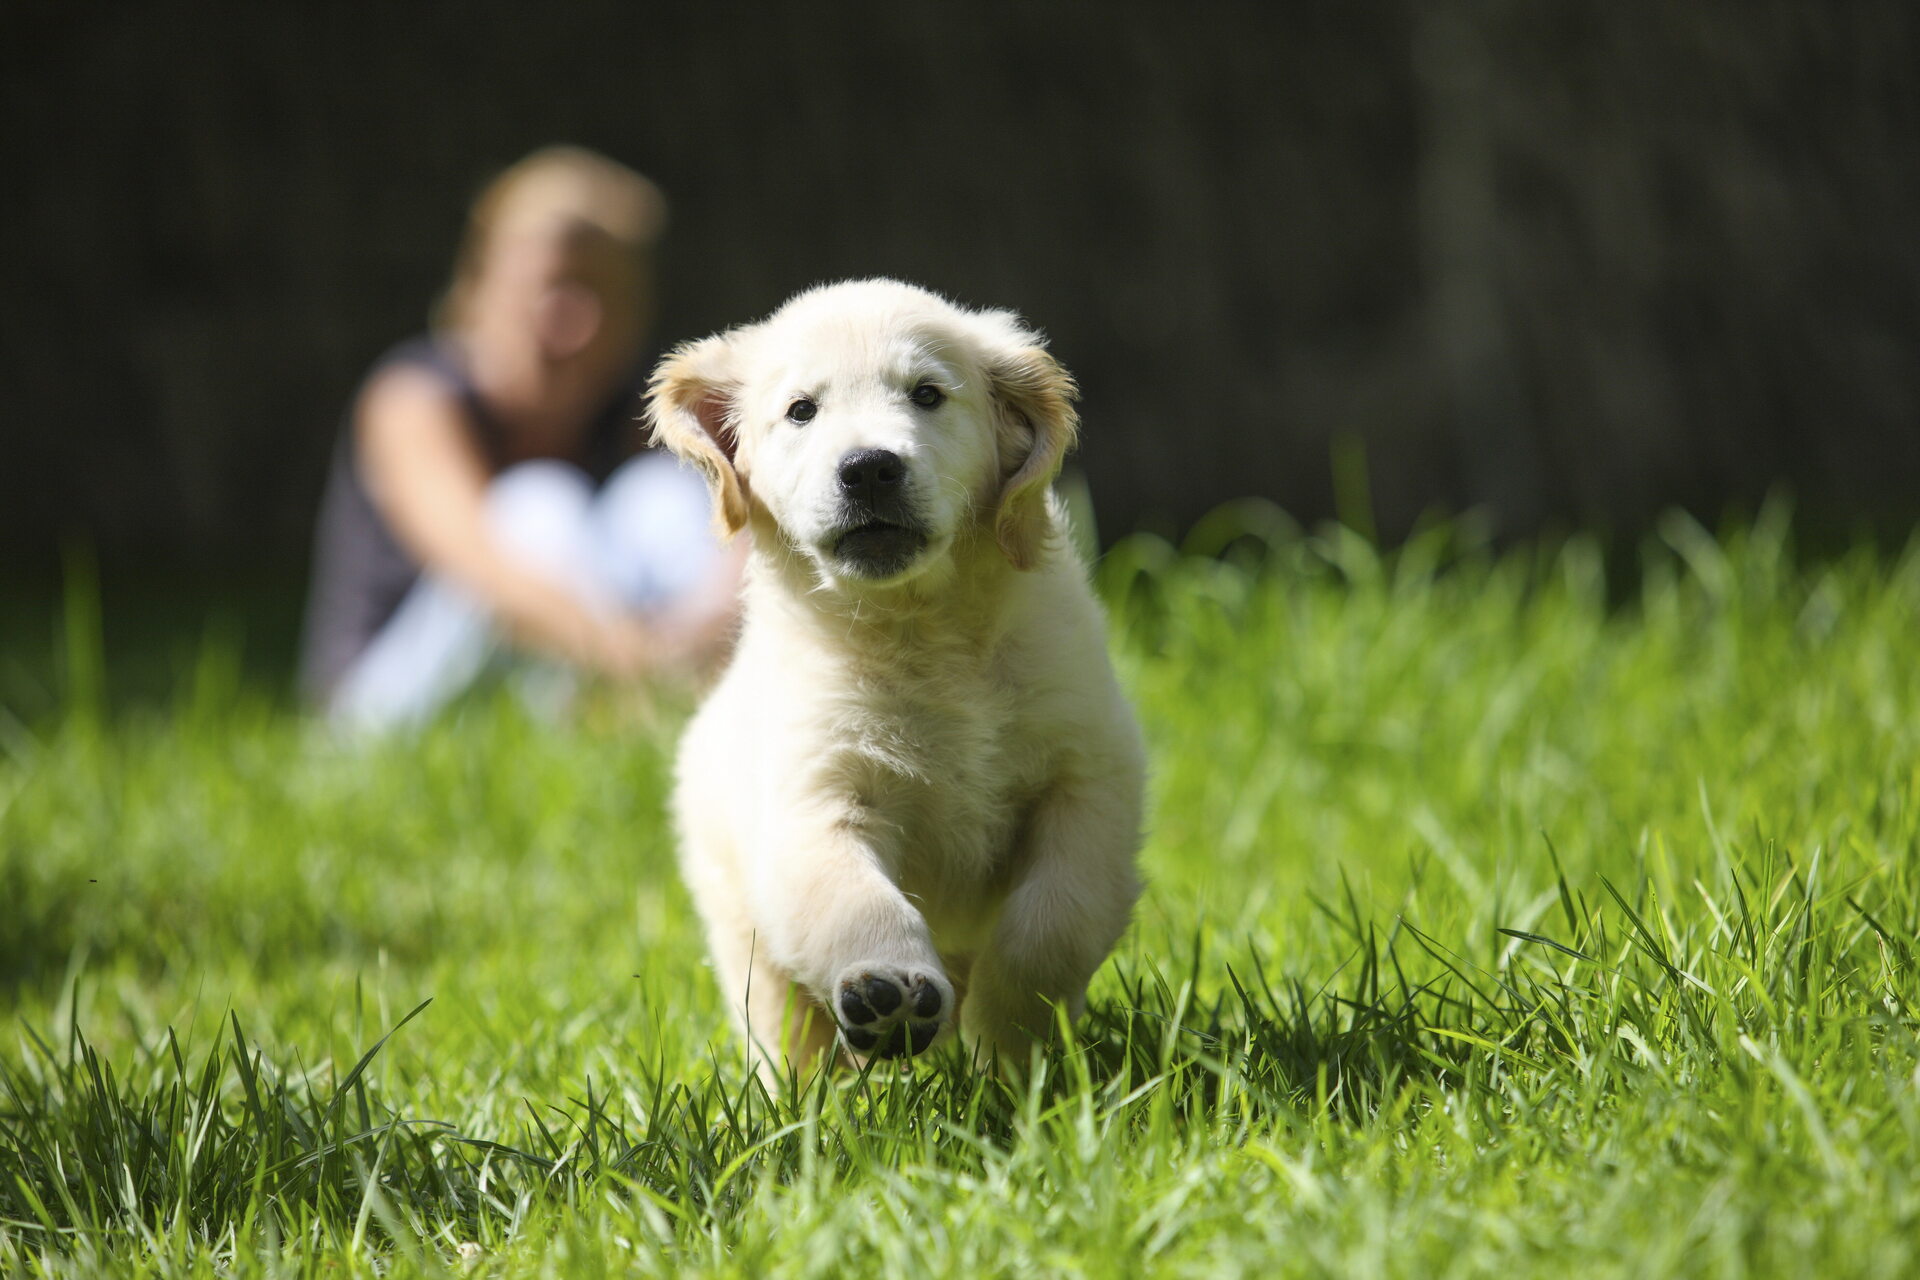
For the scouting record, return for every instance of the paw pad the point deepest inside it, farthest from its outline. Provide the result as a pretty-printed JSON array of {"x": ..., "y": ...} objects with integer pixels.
[{"x": 889, "y": 1013}]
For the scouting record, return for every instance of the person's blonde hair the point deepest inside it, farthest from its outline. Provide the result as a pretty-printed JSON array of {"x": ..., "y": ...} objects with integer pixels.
[{"x": 581, "y": 195}]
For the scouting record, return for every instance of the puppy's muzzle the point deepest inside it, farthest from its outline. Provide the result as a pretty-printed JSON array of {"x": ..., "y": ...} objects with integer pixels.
[{"x": 879, "y": 532}]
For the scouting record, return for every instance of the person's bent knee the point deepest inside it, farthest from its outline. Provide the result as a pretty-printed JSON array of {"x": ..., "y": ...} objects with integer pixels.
[
  {"x": 538, "y": 488},
  {"x": 654, "y": 523},
  {"x": 539, "y": 509}
]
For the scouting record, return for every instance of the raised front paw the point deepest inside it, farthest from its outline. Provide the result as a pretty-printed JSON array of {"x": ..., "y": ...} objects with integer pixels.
[{"x": 888, "y": 1012}]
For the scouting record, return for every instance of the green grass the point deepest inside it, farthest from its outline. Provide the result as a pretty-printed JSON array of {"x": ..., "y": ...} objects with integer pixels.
[{"x": 1496, "y": 927}]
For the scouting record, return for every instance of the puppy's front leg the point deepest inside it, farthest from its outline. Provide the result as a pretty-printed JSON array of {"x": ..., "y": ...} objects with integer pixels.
[
  {"x": 849, "y": 935},
  {"x": 1071, "y": 900}
]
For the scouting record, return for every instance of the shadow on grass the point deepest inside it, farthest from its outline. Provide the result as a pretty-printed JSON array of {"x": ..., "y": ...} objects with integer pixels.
[
  {"x": 40, "y": 929},
  {"x": 54, "y": 927}
]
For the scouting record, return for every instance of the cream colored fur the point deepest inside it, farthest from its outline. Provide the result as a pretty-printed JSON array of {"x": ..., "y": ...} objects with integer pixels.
[{"x": 929, "y": 778}]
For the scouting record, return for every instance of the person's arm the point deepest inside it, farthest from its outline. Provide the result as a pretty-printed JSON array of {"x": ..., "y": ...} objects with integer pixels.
[
  {"x": 699, "y": 631},
  {"x": 429, "y": 480}
]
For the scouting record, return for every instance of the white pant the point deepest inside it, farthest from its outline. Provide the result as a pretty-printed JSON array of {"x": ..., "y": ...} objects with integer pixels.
[{"x": 640, "y": 544}]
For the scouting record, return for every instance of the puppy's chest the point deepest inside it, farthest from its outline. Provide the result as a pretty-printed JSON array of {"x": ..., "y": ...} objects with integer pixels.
[{"x": 946, "y": 777}]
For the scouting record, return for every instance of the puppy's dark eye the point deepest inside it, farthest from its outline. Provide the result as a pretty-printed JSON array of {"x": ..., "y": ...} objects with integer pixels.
[
  {"x": 926, "y": 395},
  {"x": 801, "y": 411}
]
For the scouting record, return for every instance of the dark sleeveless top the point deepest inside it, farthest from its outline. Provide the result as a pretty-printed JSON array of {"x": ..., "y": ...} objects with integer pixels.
[{"x": 360, "y": 571}]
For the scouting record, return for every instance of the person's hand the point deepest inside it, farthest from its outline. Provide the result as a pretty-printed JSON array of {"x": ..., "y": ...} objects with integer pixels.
[{"x": 622, "y": 648}]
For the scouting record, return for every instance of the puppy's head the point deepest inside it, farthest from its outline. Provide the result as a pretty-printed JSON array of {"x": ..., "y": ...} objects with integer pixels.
[{"x": 875, "y": 425}]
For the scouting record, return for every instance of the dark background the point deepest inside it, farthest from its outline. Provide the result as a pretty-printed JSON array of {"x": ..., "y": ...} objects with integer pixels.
[{"x": 1572, "y": 263}]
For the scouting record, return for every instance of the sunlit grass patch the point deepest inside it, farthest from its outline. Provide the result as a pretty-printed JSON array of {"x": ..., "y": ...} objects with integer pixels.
[{"x": 1498, "y": 923}]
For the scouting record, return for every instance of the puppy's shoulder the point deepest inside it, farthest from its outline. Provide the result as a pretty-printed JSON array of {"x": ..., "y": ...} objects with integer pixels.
[
  {"x": 1052, "y": 611},
  {"x": 1057, "y": 654}
]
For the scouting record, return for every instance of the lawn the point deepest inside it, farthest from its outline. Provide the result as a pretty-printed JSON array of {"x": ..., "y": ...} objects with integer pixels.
[{"x": 1504, "y": 919}]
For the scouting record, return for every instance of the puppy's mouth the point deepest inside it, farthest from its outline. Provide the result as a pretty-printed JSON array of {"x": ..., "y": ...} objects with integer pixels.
[{"x": 878, "y": 548}]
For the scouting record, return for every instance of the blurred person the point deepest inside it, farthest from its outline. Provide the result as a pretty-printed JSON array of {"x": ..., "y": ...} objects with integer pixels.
[{"x": 486, "y": 486}]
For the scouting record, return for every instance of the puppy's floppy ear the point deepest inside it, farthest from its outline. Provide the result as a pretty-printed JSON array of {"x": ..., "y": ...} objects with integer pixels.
[
  {"x": 1033, "y": 402},
  {"x": 691, "y": 404}
]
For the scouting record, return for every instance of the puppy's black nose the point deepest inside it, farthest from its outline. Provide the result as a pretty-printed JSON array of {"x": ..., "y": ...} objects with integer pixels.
[{"x": 869, "y": 473}]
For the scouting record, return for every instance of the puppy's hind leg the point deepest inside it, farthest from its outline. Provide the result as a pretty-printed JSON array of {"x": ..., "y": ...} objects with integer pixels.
[{"x": 786, "y": 1029}]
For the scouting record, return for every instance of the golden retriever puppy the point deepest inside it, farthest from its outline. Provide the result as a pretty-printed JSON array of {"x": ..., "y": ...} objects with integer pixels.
[{"x": 912, "y": 803}]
